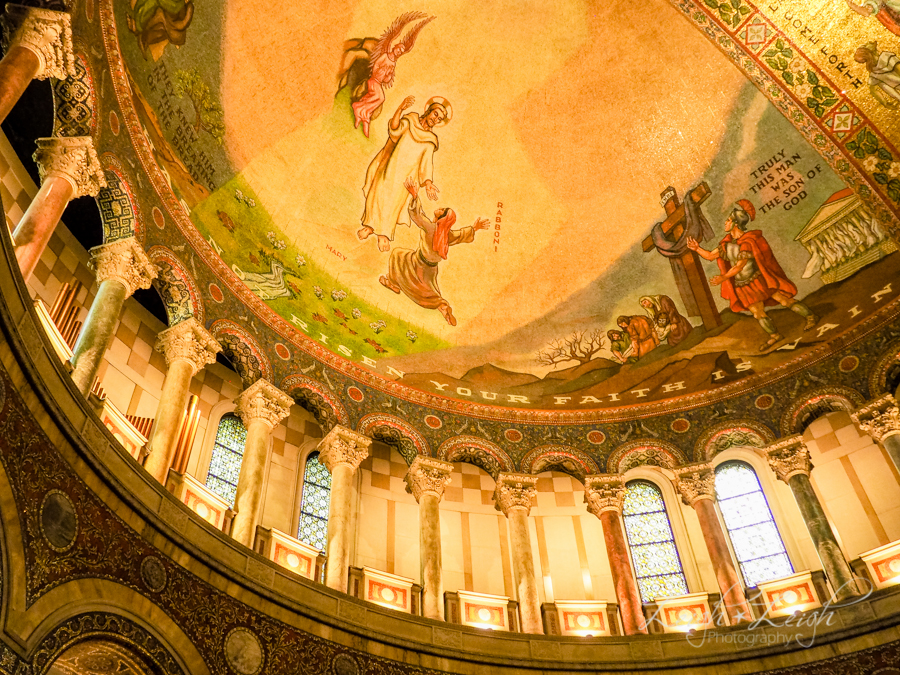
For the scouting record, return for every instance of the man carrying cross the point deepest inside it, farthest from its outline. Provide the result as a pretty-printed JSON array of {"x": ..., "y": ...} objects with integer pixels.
[{"x": 751, "y": 277}]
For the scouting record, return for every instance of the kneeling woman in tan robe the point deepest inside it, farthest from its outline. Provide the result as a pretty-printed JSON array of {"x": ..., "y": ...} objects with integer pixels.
[{"x": 415, "y": 272}]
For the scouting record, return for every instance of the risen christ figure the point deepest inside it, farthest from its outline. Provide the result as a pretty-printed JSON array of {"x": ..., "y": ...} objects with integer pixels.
[
  {"x": 415, "y": 272},
  {"x": 407, "y": 155}
]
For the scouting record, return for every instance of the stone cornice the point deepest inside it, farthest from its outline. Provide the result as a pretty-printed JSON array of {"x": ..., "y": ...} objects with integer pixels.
[
  {"x": 880, "y": 418},
  {"x": 263, "y": 401},
  {"x": 46, "y": 33},
  {"x": 125, "y": 261},
  {"x": 789, "y": 457},
  {"x": 604, "y": 492},
  {"x": 427, "y": 475},
  {"x": 343, "y": 446},
  {"x": 695, "y": 482},
  {"x": 515, "y": 491},
  {"x": 74, "y": 159},
  {"x": 188, "y": 341}
]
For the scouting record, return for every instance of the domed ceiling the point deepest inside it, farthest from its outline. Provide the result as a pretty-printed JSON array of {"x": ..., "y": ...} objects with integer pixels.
[{"x": 564, "y": 156}]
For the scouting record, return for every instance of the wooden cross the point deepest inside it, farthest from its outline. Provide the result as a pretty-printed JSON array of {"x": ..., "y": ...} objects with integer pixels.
[{"x": 695, "y": 292}]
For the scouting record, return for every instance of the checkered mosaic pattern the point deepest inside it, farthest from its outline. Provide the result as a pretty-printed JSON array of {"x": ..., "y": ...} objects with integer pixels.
[{"x": 385, "y": 469}]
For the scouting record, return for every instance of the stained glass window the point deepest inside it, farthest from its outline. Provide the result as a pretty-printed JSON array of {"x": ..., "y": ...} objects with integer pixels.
[
  {"x": 656, "y": 563},
  {"x": 754, "y": 536},
  {"x": 225, "y": 465},
  {"x": 314, "y": 503}
]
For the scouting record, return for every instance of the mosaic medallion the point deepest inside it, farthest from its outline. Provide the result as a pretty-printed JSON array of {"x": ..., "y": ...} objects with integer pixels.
[
  {"x": 243, "y": 652},
  {"x": 59, "y": 522},
  {"x": 153, "y": 574},
  {"x": 433, "y": 422}
]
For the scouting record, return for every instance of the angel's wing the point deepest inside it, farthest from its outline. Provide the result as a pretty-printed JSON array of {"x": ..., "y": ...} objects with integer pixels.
[
  {"x": 393, "y": 32},
  {"x": 410, "y": 38}
]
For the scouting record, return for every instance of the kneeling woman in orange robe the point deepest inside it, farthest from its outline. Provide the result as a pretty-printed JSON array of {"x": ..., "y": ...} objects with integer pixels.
[{"x": 415, "y": 272}]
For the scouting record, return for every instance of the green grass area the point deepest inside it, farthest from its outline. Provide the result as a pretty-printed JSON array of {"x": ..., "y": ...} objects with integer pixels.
[{"x": 252, "y": 247}]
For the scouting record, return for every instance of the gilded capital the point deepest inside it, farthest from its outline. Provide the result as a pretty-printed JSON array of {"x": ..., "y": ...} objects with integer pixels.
[
  {"x": 515, "y": 491},
  {"x": 343, "y": 446},
  {"x": 125, "y": 261},
  {"x": 789, "y": 457},
  {"x": 74, "y": 159},
  {"x": 695, "y": 482},
  {"x": 427, "y": 475},
  {"x": 46, "y": 33},
  {"x": 880, "y": 418},
  {"x": 604, "y": 492},
  {"x": 263, "y": 401},
  {"x": 188, "y": 341}
]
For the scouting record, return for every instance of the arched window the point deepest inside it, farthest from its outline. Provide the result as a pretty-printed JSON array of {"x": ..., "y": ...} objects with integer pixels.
[
  {"x": 314, "y": 503},
  {"x": 748, "y": 519},
  {"x": 225, "y": 465},
  {"x": 656, "y": 563}
]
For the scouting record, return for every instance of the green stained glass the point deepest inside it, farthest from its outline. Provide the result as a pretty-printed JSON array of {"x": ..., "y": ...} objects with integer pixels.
[
  {"x": 314, "y": 503},
  {"x": 225, "y": 465},
  {"x": 656, "y": 563},
  {"x": 754, "y": 536}
]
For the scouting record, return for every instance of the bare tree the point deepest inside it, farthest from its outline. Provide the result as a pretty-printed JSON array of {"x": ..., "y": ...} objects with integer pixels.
[{"x": 580, "y": 346}]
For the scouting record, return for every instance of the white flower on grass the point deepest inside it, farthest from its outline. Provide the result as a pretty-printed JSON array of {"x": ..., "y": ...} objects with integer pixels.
[
  {"x": 239, "y": 195},
  {"x": 356, "y": 313},
  {"x": 319, "y": 292},
  {"x": 280, "y": 245},
  {"x": 337, "y": 296},
  {"x": 412, "y": 336},
  {"x": 377, "y": 326},
  {"x": 301, "y": 260},
  {"x": 271, "y": 237}
]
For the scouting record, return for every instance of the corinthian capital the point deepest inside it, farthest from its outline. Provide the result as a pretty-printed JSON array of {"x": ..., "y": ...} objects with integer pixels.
[
  {"x": 188, "y": 341},
  {"x": 343, "y": 446},
  {"x": 428, "y": 476},
  {"x": 125, "y": 261},
  {"x": 515, "y": 491},
  {"x": 789, "y": 457},
  {"x": 604, "y": 492},
  {"x": 263, "y": 401},
  {"x": 72, "y": 158},
  {"x": 880, "y": 418},
  {"x": 695, "y": 482},
  {"x": 46, "y": 33}
]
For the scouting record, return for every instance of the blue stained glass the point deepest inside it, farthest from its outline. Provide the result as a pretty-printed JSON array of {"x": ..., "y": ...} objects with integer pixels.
[
  {"x": 314, "y": 503},
  {"x": 225, "y": 464},
  {"x": 754, "y": 536},
  {"x": 652, "y": 545}
]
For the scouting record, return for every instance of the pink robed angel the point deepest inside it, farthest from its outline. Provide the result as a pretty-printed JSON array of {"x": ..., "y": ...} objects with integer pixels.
[{"x": 382, "y": 65}]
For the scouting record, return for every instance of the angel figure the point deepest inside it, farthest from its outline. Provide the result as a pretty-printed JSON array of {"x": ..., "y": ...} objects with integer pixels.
[{"x": 380, "y": 59}]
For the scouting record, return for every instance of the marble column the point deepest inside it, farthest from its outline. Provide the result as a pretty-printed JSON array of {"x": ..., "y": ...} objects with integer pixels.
[
  {"x": 513, "y": 496},
  {"x": 604, "y": 495},
  {"x": 188, "y": 347},
  {"x": 789, "y": 459},
  {"x": 341, "y": 451},
  {"x": 426, "y": 480},
  {"x": 697, "y": 485},
  {"x": 260, "y": 406},
  {"x": 881, "y": 420},
  {"x": 38, "y": 46},
  {"x": 69, "y": 168},
  {"x": 122, "y": 267}
]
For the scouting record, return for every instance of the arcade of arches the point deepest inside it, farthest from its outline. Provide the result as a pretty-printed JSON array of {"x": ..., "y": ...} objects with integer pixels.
[{"x": 225, "y": 451}]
